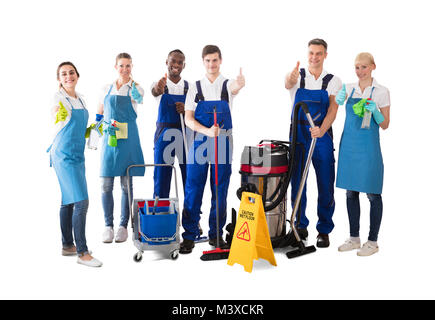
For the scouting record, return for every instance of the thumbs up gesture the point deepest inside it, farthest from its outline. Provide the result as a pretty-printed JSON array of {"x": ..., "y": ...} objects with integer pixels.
[
  {"x": 239, "y": 83},
  {"x": 292, "y": 77},
  {"x": 159, "y": 88},
  {"x": 61, "y": 114},
  {"x": 240, "y": 79},
  {"x": 341, "y": 96}
]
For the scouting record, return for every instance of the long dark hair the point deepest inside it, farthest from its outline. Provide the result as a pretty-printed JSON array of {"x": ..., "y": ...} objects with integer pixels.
[{"x": 66, "y": 63}]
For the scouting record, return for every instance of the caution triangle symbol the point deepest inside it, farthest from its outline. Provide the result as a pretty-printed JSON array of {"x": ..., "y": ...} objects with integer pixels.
[{"x": 243, "y": 233}]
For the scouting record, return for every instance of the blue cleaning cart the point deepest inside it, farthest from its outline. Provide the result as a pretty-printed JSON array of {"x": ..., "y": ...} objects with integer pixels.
[{"x": 155, "y": 222}]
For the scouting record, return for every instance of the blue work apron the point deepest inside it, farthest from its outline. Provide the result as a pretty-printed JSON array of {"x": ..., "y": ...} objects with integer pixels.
[
  {"x": 68, "y": 159},
  {"x": 168, "y": 119},
  {"x": 360, "y": 166},
  {"x": 115, "y": 160},
  {"x": 200, "y": 154},
  {"x": 323, "y": 156}
]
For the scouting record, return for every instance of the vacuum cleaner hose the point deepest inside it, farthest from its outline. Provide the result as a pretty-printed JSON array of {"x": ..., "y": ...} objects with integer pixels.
[{"x": 293, "y": 135}]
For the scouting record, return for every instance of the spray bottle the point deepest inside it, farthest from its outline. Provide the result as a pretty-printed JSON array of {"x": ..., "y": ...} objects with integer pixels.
[
  {"x": 112, "y": 141},
  {"x": 95, "y": 133},
  {"x": 367, "y": 118}
]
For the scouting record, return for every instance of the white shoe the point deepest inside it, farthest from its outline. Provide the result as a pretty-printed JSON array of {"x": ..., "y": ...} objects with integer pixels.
[
  {"x": 108, "y": 235},
  {"x": 367, "y": 249},
  {"x": 121, "y": 235},
  {"x": 349, "y": 244},
  {"x": 90, "y": 263}
]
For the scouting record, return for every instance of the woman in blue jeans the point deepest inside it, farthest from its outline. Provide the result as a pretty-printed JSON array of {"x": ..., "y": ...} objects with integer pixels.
[
  {"x": 360, "y": 166},
  {"x": 67, "y": 158},
  {"x": 118, "y": 104}
]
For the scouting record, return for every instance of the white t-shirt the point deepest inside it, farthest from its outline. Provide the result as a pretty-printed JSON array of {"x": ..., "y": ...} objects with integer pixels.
[
  {"x": 73, "y": 103},
  {"x": 381, "y": 95},
  {"x": 123, "y": 91},
  {"x": 211, "y": 92},
  {"x": 311, "y": 83},
  {"x": 173, "y": 88}
]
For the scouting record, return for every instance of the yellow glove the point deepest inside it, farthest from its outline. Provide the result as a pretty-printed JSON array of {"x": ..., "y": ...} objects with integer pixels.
[{"x": 61, "y": 114}]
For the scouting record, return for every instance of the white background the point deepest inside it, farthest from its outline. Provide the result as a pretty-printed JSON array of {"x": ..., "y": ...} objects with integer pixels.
[{"x": 266, "y": 39}]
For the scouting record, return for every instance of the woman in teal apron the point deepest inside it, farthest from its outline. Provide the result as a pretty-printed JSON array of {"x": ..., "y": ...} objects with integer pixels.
[
  {"x": 119, "y": 109},
  {"x": 67, "y": 158},
  {"x": 360, "y": 165}
]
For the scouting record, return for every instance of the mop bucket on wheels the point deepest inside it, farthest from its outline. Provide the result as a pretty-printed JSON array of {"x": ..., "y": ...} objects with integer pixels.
[{"x": 155, "y": 222}]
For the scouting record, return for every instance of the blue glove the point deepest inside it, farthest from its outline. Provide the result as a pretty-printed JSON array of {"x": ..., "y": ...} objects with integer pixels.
[
  {"x": 341, "y": 96},
  {"x": 135, "y": 94},
  {"x": 377, "y": 115}
]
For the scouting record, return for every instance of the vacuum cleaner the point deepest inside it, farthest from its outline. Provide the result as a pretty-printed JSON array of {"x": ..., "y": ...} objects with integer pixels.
[{"x": 266, "y": 169}]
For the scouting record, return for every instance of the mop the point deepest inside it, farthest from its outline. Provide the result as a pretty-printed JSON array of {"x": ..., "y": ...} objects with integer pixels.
[{"x": 218, "y": 253}]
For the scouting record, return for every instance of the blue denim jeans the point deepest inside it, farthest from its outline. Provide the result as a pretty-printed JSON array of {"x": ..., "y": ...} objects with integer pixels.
[
  {"x": 107, "y": 199},
  {"x": 353, "y": 210},
  {"x": 73, "y": 220}
]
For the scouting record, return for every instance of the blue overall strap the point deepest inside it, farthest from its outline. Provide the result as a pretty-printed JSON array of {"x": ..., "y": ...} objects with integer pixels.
[
  {"x": 325, "y": 80},
  {"x": 186, "y": 87},
  {"x": 199, "y": 95},
  {"x": 302, "y": 82},
  {"x": 224, "y": 93}
]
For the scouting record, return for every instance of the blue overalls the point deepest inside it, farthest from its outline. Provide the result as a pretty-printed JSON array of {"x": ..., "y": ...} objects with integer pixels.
[
  {"x": 115, "y": 160},
  {"x": 323, "y": 156},
  {"x": 168, "y": 122},
  {"x": 360, "y": 166},
  {"x": 200, "y": 154},
  {"x": 67, "y": 156}
]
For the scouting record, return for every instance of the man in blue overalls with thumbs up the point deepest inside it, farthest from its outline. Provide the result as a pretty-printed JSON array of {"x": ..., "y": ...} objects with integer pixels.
[
  {"x": 212, "y": 93},
  {"x": 169, "y": 137},
  {"x": 317, "y": 88}
]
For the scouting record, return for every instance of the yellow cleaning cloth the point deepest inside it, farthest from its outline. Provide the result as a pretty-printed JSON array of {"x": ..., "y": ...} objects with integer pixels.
[{"x": 122, "y": 133}]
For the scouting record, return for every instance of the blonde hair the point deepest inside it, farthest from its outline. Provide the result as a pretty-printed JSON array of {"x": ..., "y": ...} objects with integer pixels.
[
  {"x": 365, "y": 56},
  {"x": 124, "y": 55}
]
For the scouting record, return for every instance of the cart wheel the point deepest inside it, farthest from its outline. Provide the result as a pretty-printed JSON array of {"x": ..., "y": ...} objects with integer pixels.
[
  {"x": 174, "y": 255},
  {"x": 137, "y": 257}
]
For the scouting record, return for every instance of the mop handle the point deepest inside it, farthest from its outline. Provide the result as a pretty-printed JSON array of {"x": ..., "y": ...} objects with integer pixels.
[
  {"x": 304, "y": 175},
  {"x": 215, "y": 148},
  {"x": 183, "y": 131},
  {"x": 216, "y": 178}
]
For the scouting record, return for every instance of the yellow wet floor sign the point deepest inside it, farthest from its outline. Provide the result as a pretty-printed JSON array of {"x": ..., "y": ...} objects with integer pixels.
[{"x": 251, "y": 238}]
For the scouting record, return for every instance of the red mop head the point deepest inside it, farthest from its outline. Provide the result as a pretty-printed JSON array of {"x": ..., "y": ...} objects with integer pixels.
[{"x": 216, "y": 254}]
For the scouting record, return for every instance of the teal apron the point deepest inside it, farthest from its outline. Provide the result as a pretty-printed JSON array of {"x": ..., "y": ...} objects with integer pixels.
[
  {"x": 68, "y": 159},
  {"x": 360, "y": 165},
  {"x": 115, "y": 160}
]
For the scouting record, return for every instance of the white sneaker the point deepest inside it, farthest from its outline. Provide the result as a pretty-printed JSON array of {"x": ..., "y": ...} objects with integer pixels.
[
  {"x": 121, "y": 234},
  {"x": 108, "y": 235},
  {"x": 349, "y": 244},
  {"x": 90, "y": 263},
  {"x": 367, "y": 249}
]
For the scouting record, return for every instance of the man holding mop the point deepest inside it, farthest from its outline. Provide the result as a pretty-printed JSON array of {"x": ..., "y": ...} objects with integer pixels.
[
  {"x": 317, "y": 88},
  {"x": 169, "y": 139},
  {"x": 211, "y": 96}
]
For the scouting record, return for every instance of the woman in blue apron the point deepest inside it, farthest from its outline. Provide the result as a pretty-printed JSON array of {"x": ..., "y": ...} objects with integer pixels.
[
  {"x": 120, "y": 144},
  {"x": 67, "y": 158},
  {"x": 360, "y": 165}
]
